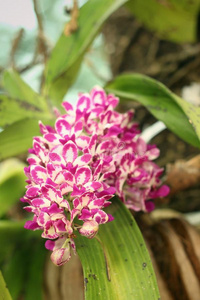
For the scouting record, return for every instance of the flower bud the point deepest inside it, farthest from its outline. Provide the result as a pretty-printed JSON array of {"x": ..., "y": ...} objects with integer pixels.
[{"x": 89, "y": 229}]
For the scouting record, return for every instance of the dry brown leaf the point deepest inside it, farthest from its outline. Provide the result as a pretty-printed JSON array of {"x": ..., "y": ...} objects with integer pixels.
[
  {"x": 164, "y": 291},
  {"x": 65, "y": 282},
  {"x": 183, "y": 174},
  {"x": 72, "y": 25},
  {"x": 175, "y": 247}
]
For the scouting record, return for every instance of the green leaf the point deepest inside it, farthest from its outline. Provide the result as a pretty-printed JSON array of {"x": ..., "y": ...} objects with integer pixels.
[
  {"x": 176, "y": 113},
  {"x": 60, "y": 85},
  {"x": 66, "y": 57},
  {"x": 192, "y": 112},
  {"x": 4, "y": 293},
  {"x": 12, "y": 183},
  {"x": 174, "y": 20},
  {"x": 12, "y": 110},
  {"x": 117, "y": 265},
  {"x": 22, "y": 257},
  {"x": 18, "y": 137},
  {"x": 18, "y": 89}
]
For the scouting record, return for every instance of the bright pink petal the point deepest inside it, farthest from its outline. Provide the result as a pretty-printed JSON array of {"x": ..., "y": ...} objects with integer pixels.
[
  {"x": 39, "y": 174},
  {"x": 83, "y": 175},
  {"x": 92, "y": 144},
  {"x": 67, "y": 106},
  {"x": 70, "y": 152},
  {"x": 83, "y": 160},
  {"x": 83, "y": 103},
  {"x": 62, "y": 127},
  {"x": 82, "y": 141},
  {"x": 78, "y": 128}
]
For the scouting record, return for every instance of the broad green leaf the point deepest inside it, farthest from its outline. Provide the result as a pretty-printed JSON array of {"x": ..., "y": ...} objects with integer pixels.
[
  {"x": 18, "y": 89},
  {"x": 66, "y": 57},
  {"x": 22, "y": 256},
  {"x": 175, "y": 112},
  {"x": 18, "y": 137},
  {"x": 117, "y": 265},
  {"x": 4, "y": 293},
  {"x": 60, "y": 85},
  {"x": 12, "y": 110},
  {"x": 12, "y": 183},
  {"x": 192, "y": 112},
  {"x": 174, "y": 20}
]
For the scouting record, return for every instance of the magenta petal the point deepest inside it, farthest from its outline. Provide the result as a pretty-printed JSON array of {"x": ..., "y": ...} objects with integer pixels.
[
  {"x": 37, "y": 202},
  {"x": 49, "y": 245},
  {"x": 62, "y": 127},
  {"x": 69, "y": 178},
  {"x": 31, "y": 225},
  {"x": 163, "y": 191},
  {"x": 70, "y": 152},
  {"x": 83, "y": 160},
  {"x": 149, "y": 205},
  {"x": 85, "y": 214},
  {"x": 50, "y": 137},
  {"x": 67, "y": 106},
  {"x": 39, "y": 174},
  {"x": 83, "y": 175},
  {"x": 98, "y": 96},
  {"x": 82, "y": 141},
  {"x": 110, "y": 218},
  {"x": 78, "y": 128},
  {"x": 32, "y": 192},
  {"x": 92, "y": 144},
  {"x": 83, "y": 103}
]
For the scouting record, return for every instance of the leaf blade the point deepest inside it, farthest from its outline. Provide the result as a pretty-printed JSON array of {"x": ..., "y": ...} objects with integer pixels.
[
  {"x": 121, "y": 269},
  {"x": 68, "y": 52},
  {"x": 17, "y": 88},
  {"x": 22, "y": 254},
  {"x": 12, "y": 183},
  {"x": 4, "y": 293},
  {"x": 17, "y": 138},
  {"x": 12, "y": 110},
  {"x": 160, "y": 101},
  {"x": 174, "y": 20}
]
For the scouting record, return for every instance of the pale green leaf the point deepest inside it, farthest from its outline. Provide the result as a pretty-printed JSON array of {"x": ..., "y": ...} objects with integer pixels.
[
  {"x": 18, "y": 137},
  {"x": 117, "y": 265},
  {"x": 12, "y": 110},
  {"x": 175, "y": 112},
  {"x": 12, "y": 183},
  {"x": 18, "y": 89}
]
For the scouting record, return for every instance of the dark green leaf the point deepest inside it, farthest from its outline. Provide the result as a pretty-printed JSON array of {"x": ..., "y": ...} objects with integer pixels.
[
  {"x": 172, "y": 19},
  {"x": 176, "y": 113},
  {"x": 117, "y": 266},
  {"x": 17, "y": 138},
  {"x": 66, "y": 57},
  {"x": 22, "y": 256}
]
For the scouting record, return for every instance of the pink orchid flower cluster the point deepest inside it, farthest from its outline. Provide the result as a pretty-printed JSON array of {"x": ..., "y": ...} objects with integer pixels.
[{"x": 93, "y": 153}]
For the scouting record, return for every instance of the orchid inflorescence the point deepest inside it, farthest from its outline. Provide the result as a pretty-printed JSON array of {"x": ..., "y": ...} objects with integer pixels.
[{"x": 92, "y": 154}]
